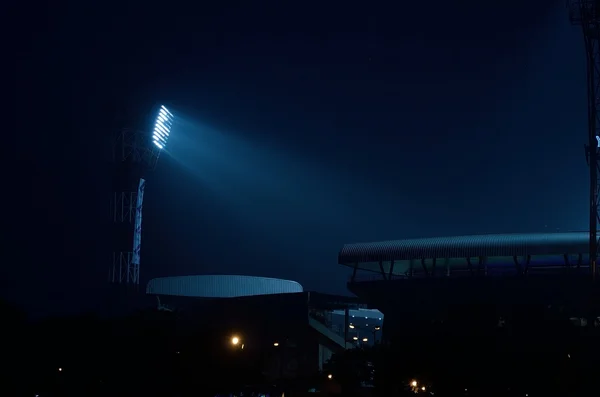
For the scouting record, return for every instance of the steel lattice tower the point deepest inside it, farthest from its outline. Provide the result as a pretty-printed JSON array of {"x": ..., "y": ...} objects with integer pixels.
[
  {"x": 586, "y": 13},
  {"x": 134, "y": 154}
]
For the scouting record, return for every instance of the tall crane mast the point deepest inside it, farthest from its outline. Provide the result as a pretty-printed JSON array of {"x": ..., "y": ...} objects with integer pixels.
[{"x": 586, "y": 13}]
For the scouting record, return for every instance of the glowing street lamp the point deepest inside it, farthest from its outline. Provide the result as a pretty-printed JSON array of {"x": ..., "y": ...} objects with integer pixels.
[{"x": 162, "y": 127}]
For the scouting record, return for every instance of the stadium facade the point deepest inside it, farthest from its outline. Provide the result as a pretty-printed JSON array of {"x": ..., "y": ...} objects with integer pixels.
[{"x": 295, "y": 330}]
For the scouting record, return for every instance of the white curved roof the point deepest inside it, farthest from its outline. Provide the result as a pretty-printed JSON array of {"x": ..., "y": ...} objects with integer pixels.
[{"x": 220, "y": 286}]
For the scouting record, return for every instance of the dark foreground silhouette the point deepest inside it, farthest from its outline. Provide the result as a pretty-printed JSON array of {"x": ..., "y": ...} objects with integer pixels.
[{"x": 154, "y": 353}]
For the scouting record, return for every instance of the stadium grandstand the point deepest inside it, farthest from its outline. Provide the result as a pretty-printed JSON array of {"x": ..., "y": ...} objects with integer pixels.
[
  {"x": 492, "y": 254},
  {"x": 425, "y": 279}
]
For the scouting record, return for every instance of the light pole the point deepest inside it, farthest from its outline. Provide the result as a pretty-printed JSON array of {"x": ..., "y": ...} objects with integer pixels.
[
  {"x": 134, "y": 155},
  {"x": 375, "y": 330},
  {"x": 281, "y": 355}
]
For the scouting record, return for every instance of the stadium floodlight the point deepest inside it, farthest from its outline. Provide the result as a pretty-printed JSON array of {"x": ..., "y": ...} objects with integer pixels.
[{"x": 162, "y": 127}]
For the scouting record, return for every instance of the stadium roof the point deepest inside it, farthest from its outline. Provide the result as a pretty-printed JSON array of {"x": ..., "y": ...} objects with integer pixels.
[
  {"x": 467, "y": 246},
  {"x": 220, "y": 286},
  {"x": 447, "y": 255}
]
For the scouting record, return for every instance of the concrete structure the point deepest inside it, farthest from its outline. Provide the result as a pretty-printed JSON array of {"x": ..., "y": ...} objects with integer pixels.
[
  {"x": 293, "y": 329},
  {"x": 362, "y": 324}
]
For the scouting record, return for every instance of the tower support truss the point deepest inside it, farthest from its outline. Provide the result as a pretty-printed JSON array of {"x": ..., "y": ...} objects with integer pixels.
[
  {"x": 133, "y": 156},
  {"x": 586, "y": 13}
]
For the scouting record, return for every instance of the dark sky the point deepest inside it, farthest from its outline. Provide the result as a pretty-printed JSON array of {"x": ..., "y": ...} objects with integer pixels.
[{"x": 301, "y": 126}]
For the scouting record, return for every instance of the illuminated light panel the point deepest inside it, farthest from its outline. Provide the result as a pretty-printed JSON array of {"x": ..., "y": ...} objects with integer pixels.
[{"x": 162, "y": 127}]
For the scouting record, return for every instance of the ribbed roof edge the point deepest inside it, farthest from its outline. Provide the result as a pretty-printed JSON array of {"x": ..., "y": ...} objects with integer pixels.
[{"x": 517, "y": 244}]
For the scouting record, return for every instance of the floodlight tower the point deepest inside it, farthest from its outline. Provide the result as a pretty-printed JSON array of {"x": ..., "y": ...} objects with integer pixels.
[
  {"x": 586, "y": 13},
  {"x": 135, "y": 153}
]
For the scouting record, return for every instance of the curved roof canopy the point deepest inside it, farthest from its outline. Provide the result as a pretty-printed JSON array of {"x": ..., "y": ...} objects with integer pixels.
[
  {"x": 490, "y": 245},
  {"x": 220, "y": 286}
]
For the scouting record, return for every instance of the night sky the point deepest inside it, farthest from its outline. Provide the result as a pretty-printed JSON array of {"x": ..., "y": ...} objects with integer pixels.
[{"x": 301, "y": 126}]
